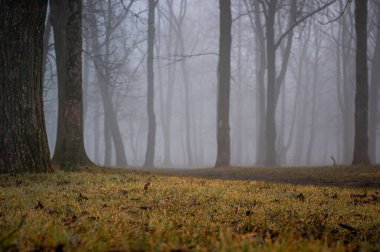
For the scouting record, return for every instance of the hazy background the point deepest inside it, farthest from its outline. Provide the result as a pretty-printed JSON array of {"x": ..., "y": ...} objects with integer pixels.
[{"x": 314, "y": 116}]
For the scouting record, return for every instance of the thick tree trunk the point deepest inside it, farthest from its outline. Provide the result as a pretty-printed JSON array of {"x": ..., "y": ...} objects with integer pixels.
[
  {"x": 224, "y": 75},
  {"x": 46, "y": 40},
  {"x": 361, "y": 97},
  {"x": 58, "y": 19},
  {"x": 151, "y": 140},
  {"x": 73, "y": 151},
  {"x": 67, "y": 25},
  {"x": 23, "y": 140}
]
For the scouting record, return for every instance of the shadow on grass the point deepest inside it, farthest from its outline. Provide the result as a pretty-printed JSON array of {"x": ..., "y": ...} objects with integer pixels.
[{"x": 341, "y": 176}]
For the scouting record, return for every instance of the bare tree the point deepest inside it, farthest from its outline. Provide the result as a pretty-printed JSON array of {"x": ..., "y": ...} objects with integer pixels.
[{"x": 103, "y": 69}]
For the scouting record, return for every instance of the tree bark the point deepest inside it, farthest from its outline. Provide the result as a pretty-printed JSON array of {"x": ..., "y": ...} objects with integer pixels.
[
  {"x": 361, "y": 97},
  {"x": 224, "y": 75},
  {"x": 23, "y": 140},
  {"x": 58, "y": 19},
  {"x": 66, "y": 19},
  {"x": 151, "y": 140}
]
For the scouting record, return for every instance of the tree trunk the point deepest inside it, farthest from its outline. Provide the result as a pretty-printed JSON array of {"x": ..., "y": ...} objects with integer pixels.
[
  {"x": 240, "y": 96},
  {"x": 96, "y": 135},
  {"x": 111, "y": 127},
  {"x": 224, "y": 75},
  {"x": 151, "y": 141},
  {"x": 313, "y": 113},
  {"x": 361, "y": 97},
  {"x": 374, "y": 94},
  {"x": 187, "y": 84},
  {"x": 260, "y": 78},
  {"x": 271, "y": 79},
  {"x": 107, "y": 140},
  {"x": 46, "y": 44},
  {"x": 23, "y": 140},
  {"x": 58, "y": 19},
  {"x": 67, "y": 25}
]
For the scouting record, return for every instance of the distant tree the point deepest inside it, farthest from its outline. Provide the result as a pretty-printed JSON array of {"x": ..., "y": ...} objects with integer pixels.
[
  {"x": 224, "y": 75},
  {"x": 166, "y": 98},
  {"x": 102, "y": 64},
  {"x": 361, "y": 96},
  {"x": 151, "y": 141},
  {"x": 271, "y": 11},
  {"x": 374, "y": 91},
  {"x": 23, "y": 140},
  {"x": 66, "y": 19},
  {"x": 345, "y": 90}
]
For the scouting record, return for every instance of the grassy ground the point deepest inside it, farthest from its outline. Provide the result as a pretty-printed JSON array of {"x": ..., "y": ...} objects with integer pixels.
[{"x": 120, "y": 211}]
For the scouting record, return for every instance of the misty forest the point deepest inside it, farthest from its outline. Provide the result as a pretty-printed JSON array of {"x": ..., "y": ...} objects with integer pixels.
[{"x": 189, "y": 125}]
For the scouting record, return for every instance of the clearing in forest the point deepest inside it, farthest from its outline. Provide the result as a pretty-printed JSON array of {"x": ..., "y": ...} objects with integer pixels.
[{"x": 140, "y": 211}]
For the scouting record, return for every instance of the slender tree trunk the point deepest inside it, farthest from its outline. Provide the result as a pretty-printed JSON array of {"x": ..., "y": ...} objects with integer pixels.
[
  {"x": 151, "y": 140},
  {"x": 23, "y": 140},
  {"x": 96, "y": 135},
  {"x": 167, "y": 104},
  {"x": 313, "y": 113},
  {"x": 374, "y": 94},
  {"x": 270, "y": 126},
  {"x": 165, "y": 120},
  {"x": 260, "y": 79},
  {"x": 112, "y": 133},
  {"x": 224, "y": 75},
  {"x": 240, "y": 100},
  {"x": 186, "y": 83},
  {"x": 297, "y": 102},
  {"x": 107, "y": 140},
  {"x": 361, "y": 97}
]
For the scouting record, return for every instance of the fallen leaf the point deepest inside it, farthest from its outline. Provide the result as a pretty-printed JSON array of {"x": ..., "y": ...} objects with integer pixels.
[
  {"x": 146, "y": 186},
  {"x": 300, "y": 197},
  {"x": 39, "y": 205}
]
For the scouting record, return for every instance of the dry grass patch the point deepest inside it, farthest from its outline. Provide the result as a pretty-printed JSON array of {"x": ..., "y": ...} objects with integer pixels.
[{"x": 120, "y": 211}]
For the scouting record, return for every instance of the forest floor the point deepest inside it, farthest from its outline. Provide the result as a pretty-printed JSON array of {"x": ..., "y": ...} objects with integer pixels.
[{"x": 287, "y": 209}]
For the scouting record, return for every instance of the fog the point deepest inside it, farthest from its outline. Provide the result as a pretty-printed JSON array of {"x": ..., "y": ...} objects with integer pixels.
[{"x": 315, "y": 77}]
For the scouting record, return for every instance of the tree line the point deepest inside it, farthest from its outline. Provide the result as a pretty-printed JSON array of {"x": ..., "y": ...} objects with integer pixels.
[{"x": 25, "y": 36}]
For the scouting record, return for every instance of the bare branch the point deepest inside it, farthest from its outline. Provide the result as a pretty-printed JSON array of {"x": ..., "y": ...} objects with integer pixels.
[{"x": 300, "y": 21}]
